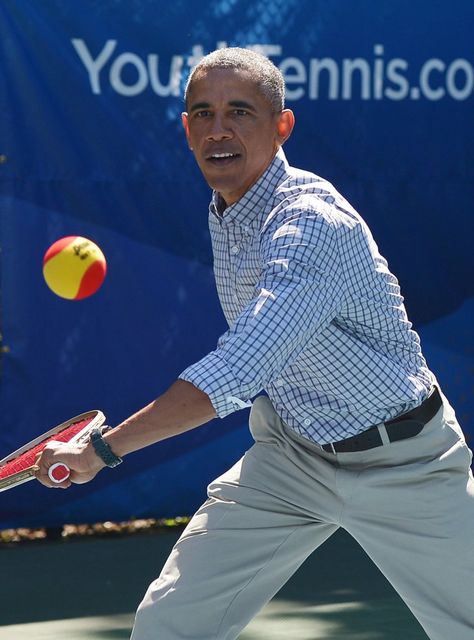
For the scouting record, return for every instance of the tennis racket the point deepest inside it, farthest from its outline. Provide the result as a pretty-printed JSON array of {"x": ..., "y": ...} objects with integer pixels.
[{"x": 19, "y": 466}]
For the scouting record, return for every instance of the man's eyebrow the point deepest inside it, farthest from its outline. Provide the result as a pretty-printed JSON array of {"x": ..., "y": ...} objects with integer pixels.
[
  {"x": 199, "y": 105},
  {"x": 239, "y": 104}
]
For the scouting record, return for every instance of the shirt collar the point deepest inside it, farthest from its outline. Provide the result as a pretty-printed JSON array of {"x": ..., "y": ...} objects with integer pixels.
[{"x": 245, "y": 210}]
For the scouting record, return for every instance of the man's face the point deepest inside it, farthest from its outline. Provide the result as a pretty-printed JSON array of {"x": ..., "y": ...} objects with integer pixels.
[{"x": 232, "y": 130}]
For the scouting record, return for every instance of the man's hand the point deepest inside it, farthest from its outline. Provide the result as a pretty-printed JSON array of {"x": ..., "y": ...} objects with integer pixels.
[
  {"x": 181, "y": 408},
  {"x": 80, "y": 458}
]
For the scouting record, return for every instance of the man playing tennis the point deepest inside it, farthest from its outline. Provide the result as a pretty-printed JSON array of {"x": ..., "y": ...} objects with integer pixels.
[{"x": 353, "y": 430}]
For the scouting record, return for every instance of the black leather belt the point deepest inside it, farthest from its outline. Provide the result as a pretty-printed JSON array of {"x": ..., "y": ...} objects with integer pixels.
[{"x": 407, "y": 425}]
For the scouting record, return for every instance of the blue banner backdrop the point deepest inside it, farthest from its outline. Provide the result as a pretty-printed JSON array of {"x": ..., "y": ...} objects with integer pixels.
[{"x": 91, "y": 144}]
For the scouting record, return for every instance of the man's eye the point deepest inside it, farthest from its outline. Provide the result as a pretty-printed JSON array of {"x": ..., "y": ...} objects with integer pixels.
[
  {"x": 203, "y": 114},
  {"x": 240, "y": 112}
]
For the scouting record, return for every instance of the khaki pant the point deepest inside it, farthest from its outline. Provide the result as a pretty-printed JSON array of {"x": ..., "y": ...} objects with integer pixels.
[{"x": 410, "y": 504}]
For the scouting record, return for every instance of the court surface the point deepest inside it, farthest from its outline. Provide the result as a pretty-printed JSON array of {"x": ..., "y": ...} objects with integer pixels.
[{"x": 88, "y": 589}]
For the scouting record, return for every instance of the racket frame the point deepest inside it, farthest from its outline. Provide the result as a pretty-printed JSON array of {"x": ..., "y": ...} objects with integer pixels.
[{"x": 96, "y": 419}]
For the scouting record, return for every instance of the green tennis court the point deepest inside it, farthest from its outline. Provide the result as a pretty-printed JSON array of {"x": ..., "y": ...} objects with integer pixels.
[{"x": 87, "y": 589}]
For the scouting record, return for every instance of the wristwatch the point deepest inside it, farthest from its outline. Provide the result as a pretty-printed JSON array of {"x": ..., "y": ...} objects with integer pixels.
[{"x": 102, "y": 448}]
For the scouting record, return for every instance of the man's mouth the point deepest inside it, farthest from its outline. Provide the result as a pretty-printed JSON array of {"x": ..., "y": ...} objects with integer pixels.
[{"x": 222, "y": 159}]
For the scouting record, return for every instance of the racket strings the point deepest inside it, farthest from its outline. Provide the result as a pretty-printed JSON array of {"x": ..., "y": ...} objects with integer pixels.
[{"x": 27, "y": 458}]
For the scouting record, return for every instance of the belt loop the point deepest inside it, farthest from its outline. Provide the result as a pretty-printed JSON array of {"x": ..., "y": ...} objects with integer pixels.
[
  {"x": 332, "y": 448},
  {"x": 383, "y": 433}
]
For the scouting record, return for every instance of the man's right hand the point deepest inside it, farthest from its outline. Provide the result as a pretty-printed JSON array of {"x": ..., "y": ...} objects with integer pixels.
[{"x": 81, "y": 459}]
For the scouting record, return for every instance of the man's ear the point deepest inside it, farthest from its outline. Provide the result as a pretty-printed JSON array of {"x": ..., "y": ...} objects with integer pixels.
[
  {"x": 285, "y": 124},
  {"x": 185, "y": 121}
]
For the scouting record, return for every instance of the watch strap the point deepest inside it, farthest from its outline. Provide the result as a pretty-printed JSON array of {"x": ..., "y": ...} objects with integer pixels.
[{"x": 102, "y": 448}]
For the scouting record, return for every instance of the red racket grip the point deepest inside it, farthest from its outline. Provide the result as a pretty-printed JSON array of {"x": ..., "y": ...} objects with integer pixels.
[{"x": 58, "y": 472}]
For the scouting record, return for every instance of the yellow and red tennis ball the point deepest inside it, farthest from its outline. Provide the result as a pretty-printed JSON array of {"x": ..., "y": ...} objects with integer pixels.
[{"x": 74, "y": 267}]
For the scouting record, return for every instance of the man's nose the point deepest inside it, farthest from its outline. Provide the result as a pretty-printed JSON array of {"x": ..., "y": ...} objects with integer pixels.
[{"x": 219, "y": 129}]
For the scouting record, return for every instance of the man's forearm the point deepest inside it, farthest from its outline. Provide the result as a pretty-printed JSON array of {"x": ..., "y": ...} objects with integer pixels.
[{"x": 181, "y": 408}]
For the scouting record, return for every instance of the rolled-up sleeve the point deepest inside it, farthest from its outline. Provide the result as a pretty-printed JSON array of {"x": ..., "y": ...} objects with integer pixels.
[{"x": 299, "y": 291}]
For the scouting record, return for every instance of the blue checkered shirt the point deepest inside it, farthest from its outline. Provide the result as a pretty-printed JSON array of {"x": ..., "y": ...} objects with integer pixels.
[{"x": 316, "y": 319}]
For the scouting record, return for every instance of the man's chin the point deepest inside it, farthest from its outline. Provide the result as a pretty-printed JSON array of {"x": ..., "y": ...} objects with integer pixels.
[
  {"x": 223, "y": 176},
  {"x": 225, "y": 187}
]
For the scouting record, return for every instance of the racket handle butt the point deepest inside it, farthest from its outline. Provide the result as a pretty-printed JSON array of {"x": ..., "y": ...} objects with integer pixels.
[{"x": 58, "y": 472}]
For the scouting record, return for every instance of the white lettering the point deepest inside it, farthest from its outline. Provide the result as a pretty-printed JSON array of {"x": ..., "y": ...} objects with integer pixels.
[
  {"x": 294, "y": 72},
  {"x": 94, "y": 66},
  {"x": 378, "y": 72},
  {"x": 116, "y": 75},
  {"x": 425, "y": 86},
  {"x": 464, "y": 66},
  {"x": 348, "y": 67},
  {"x": 197, "y": 55},
  {"x": 326, "y": 78},
  {"x": 268, "y": 50},
  {"x": 399, "y": 80},
  {"x": 315, "y": 68},
  {"x": 173, "y": 86}
]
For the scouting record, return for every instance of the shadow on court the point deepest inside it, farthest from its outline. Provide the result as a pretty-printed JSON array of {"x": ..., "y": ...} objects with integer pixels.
[{"x": 88, "y": 589}]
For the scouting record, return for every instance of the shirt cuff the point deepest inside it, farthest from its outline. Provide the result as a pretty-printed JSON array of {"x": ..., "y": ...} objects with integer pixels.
[{"x": 214, "y": 376}]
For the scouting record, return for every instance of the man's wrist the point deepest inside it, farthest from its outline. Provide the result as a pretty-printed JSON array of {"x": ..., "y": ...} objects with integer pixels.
[{"x": 102, "y": 448}]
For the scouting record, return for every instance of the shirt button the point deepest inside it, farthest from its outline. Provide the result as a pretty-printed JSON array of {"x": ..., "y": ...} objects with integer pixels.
[
  {"x": 235, "y": 249},
  {"x": 278, "y": 383},
  {"x": 307, "y": 422}
]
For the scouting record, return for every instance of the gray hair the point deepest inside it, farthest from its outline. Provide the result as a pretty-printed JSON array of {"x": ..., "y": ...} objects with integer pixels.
[{"x": 260, "y": 69}]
